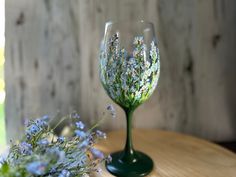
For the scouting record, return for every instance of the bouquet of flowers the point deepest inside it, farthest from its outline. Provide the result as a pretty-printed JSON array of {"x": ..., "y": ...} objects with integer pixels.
[{"x": 41, "y": 153}]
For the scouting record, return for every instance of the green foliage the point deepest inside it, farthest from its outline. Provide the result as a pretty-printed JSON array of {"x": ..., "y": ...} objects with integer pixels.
[{"x": 7, "y": 171}]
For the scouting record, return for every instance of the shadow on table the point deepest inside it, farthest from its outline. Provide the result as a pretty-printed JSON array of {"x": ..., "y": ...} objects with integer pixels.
[{"x": 229, "y": 145}]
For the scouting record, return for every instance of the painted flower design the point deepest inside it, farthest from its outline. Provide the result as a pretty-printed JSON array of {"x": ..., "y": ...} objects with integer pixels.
[{"x": 129, "y": 78}]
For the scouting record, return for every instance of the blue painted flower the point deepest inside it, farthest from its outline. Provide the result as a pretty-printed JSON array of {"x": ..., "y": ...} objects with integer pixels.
[
  {"x": 64, "y": 173},
  {"x": 37, "y": 168},
  {"x": 80, "y": 125}
]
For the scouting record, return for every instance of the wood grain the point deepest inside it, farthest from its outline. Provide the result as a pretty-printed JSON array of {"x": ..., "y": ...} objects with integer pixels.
[
  {"x": 176, "y": 155},
  {"x": 52, "y": 49}
]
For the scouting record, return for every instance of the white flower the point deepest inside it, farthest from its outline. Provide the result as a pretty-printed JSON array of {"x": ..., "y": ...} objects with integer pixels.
[
  {"x": 147, "y": 64},
  {"x": 124, "y": 86},
  {"x": 153, "y": 44},
  {"x": 132, "y": 89},
  {"x": 154, "y": 67},
  {"x": 135, "y": 53},
  {"x": 138, "y": 40},
  {"x": 138, "y": 95},
  {"x": 132, "y": 61}
]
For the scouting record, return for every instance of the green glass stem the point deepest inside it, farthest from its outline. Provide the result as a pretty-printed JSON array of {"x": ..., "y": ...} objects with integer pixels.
[
  {"x": 129, "y": 153},
  {"x": 129, "y": 163}
]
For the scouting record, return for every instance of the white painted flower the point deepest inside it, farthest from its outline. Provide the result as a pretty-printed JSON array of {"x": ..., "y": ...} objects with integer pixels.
[
  {"x": 136, "y": 53},
  {"x": 138, "y": 40}
]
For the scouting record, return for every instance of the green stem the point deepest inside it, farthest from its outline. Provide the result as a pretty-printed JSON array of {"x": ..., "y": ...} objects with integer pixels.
[
  {"x": 96, "y": 124},
  {"x": 128, "y": 151},
  {"x": 62, "y": 119}
]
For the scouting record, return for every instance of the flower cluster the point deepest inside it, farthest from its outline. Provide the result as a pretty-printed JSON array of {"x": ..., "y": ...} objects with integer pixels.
[
  {"x": 129, "y": 79},
  {"x": 42, "y": 153}
]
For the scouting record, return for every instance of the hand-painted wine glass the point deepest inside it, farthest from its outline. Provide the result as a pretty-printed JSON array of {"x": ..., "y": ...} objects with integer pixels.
[{"x": 129, "y": 72}]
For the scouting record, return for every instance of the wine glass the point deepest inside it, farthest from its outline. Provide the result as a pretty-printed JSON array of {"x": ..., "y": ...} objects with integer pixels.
[{"x": 129, "y": 72}]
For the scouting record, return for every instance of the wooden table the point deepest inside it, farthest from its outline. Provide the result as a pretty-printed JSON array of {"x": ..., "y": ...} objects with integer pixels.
[{"x": 176, "y": 155}]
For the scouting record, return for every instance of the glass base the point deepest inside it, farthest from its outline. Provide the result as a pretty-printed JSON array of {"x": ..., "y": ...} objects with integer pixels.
[{"x": 141, "y": 165}]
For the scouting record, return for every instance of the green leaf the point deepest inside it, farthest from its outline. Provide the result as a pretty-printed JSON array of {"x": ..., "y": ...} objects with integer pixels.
[{"x": 5, "y": 168}]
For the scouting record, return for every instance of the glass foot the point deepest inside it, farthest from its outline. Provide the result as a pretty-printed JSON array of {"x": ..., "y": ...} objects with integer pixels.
[{"x": 141, "y": 165}]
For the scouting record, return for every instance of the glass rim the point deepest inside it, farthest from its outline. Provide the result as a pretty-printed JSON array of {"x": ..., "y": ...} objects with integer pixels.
[{"x": 108, "y": 23}]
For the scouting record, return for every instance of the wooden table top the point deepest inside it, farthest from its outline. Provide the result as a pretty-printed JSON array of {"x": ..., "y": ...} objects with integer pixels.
[{"x": 176, "y": 155}]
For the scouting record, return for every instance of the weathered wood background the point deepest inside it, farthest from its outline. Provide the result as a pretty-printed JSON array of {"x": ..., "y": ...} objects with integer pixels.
[{"x": 52, "y": 63}]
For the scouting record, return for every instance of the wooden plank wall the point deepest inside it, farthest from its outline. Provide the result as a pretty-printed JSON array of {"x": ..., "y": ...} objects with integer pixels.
[{"x": 52, "y": 63}]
